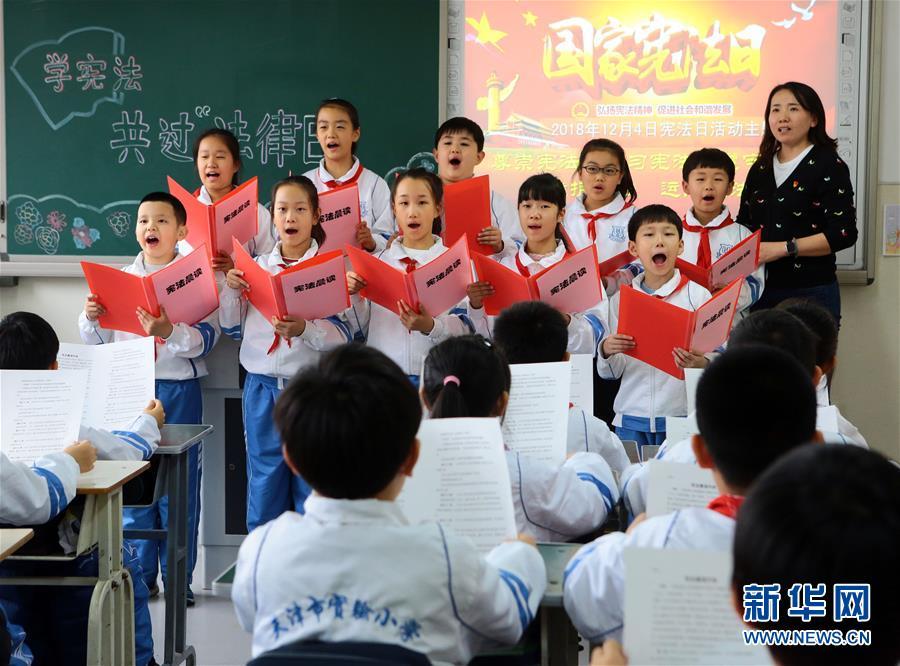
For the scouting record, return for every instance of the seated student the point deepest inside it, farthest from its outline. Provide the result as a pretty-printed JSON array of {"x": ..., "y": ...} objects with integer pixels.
[
  {"x": 352, "y": 568},
  {"x": 709, "y": 232},
  {"x": 826, "y": 516},
  {"x": 468, "y": 377},
  {"x": 33, "y": 495},
  {"x": 542, "y": 203},
  {"x": 458, "y": 149},
  {"x": 737, "y": 449},
  {"x": 647, "y": 395},
  {"x": 534, "y": 332},
  {"x": 821, "y": 322}
]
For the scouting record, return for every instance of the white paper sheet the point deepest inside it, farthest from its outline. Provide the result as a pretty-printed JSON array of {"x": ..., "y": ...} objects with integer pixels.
[
  {"x": 461, "y": 480},
  {"x": 680, "y": 427},
  {"x": 691, "y": 377},
  {"x": 672, "y": 486},
  {"x": 40, "y": 411},
  {"x": 582, "y": 384},
  {"x": 678, "y": 610},
  {"x": 537, "y": 418},
  {"x": 827, "y": 419},
  {"x": 120, "y": 379}
]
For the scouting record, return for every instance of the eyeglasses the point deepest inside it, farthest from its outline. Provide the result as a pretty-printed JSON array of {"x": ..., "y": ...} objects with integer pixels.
[{"x": 610, "y": 171}]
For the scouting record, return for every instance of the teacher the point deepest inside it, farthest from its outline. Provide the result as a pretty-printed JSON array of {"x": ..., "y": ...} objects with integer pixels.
[{"x": 799, "y": 193}]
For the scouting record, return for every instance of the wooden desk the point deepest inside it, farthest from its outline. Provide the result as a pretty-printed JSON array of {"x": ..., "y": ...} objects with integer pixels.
[{"x": 11, "y": 539}]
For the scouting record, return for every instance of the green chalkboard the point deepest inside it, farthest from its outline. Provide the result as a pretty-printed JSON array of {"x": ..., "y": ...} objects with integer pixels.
[{"x": 105, "y": 97}]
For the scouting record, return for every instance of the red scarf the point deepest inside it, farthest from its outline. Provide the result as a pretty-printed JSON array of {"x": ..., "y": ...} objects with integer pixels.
[
  {"x": 523, "y": 270},
  {"x": 727, "y": 505},
  {"x": 335, "y": 185},
  {"x": 592, "y": 220},
  {"x": 409, "y": 263},
  {"x": 683, "y": 281},
  {"x": 704, "y": 254}
]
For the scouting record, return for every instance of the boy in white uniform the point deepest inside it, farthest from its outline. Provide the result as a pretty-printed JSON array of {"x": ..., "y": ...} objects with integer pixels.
[
  {"x": 737, "y": 449},
  {"x": 352, "y": 568},
  {"x": 647, "y": 395},
  {"x": 534, "y": 332},
  {"x": 458, "y": 149},
  {"x": 709, "y": 232}
]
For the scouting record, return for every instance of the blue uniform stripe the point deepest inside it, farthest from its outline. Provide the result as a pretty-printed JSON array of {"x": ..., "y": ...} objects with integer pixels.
[
  {"x": 463, "y": 314},
  {"x": 520, "y": 593},
  {"x": 55, "y": 490},
  {"x": 341, "y": 326},
  {"x": 755, "y": 291},
  {"x": 596, "y": 326},
  {"x": 578, "y": 559},
  {"x": 136, "y": 441},
  {"x": 604, "y": 491},
  {"x": 234, "y": 332},
  {"x": 209, "y": 336}
]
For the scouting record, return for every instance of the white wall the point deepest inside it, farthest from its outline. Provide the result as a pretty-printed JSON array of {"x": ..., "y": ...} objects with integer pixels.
[{"x": 867, "y": 383}]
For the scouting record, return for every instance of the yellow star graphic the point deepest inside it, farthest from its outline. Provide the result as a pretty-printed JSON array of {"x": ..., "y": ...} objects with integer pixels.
[
  {"x": 530, "y": 19},
  {"x": 485, "y": 33}
]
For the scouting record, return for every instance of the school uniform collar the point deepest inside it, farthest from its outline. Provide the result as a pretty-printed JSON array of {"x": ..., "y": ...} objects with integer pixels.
[
  {"x": 398, "y": 251},
  {"x": 614, "y": 207},
  {"x": 664, "y": 291},
  {"x": 141, "y": 266},
  {"x": 203, "y": 196},
  {"x": 713, "y": 223},
  {"x": 544, "y": 262},
  {"x": 822, "y": 397},
  {"x": 323, "y": 175},
  {"x": 275, "y": 259},
  {"x": 329, "y": 511}
]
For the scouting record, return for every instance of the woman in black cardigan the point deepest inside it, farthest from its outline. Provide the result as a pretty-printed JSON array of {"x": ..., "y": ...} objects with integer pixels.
[{"x": 799, "y": 193}]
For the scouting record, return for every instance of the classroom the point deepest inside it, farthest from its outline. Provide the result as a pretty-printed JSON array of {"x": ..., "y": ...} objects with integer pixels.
[{"x": 330, "y": 294}]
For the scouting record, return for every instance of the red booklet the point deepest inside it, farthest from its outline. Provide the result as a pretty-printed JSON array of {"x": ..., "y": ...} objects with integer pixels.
[
  {"x": 313, "y": 289},
  {"x": 658, "y": 327},
  {"x": 572, "y": 285},
  {"x": 214, "y": 225},
  {"x": 613, "y": 264},
  {"x": 438, "y": 285},
  {"x": 186, "y": 288},
  {"x": 736, "y": 264},
  {"x": 339, "y": 217},
  {"x": 467, "y": 210}
]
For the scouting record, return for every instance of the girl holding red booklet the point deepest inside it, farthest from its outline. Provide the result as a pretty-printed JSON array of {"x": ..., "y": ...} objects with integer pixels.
[
  {"x": 542, "y": 207},
  {"x": 417, "y": 200},
  {"x": 272, "y": 351}
]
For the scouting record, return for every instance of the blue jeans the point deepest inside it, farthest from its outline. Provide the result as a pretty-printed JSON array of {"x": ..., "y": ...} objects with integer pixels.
[{"x": 826, "y": 295}]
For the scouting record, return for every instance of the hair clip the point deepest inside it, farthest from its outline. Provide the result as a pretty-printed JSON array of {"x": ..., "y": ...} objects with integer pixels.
[{"x": 451, "y": 379}]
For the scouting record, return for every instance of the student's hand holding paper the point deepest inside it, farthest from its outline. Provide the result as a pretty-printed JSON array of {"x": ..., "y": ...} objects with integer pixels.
[
  {"x": 689, "y": 359},
  {"x": 609, "y": 654},
  {"x": 364, "y": 236},
  {"x": 84, "y": 453},
  {"x": 222, "y": 262},
  {"x": 415, "y": 321},
  {"x": 477, "y": 291},
  {"x": 234, "y": 280},
  {"x": 355, "y": 282},
  {"x": 616, "y": 344},
  {"x": 92, "y": 308},
  {"x": 288, "y": 327},
  {"x": 526, "y": 538},
  {"x": 158, "y": 327},
  {"x": 155, "y": 409},
  {"x": 491, "y": 236}
]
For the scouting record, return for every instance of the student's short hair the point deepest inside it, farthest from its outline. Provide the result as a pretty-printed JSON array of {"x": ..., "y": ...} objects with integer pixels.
[
  {"x": 348, "y": 422},
  {"x": 164, "y": 197},
  {"x": 531, "y": 332},
  {"x": 825, "y": 515},
  {"x": 27, "y": 342},
  {"x": 754, "y": 403},
  {"x": 435, "y": 186},
  {"x": 820, "y": 321},
  {"x": 708, "y": 158},
  {"x": 348, "y": 108},
  {"x": 779, "y": 329},
  {"x": 231, "y": 144},
  {"x": 304, "y": 183},
  {"x": 464, "y": 376},
  {"x": 460, "y": 125},
  {"x": 650, "y": 214}
]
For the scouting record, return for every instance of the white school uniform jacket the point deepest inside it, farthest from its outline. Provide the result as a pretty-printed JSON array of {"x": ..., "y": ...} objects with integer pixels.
[
  {"x": 505, "y": 216},
  {"x": 561, "y": 503},
  {"x": 611, "y": 236},
  {"x": 356, "y": 570},
  {"x": 594, "y": 580},
  {"x": 386, "y": 333},
  {"x": 181, "y": 355},
  {"x": 240, "y": 320},
  {"x": 721, "y": 240},
  {"x": 374, "y": 198},
  {"x": 647, "y": 395},
  {"x": 138, "y": 441},
  {"x": 34, "y": 494},
  {"x": 588, "y": 433},
  {"x": 586, "y": 329}
]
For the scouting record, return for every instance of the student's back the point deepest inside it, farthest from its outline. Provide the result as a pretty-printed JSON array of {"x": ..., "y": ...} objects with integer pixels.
[{"x": 352, "y": 568}]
